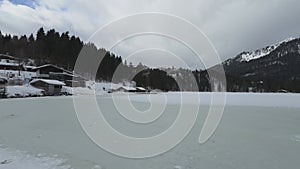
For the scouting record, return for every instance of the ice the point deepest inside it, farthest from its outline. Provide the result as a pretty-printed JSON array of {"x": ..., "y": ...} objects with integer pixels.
[
  {"x": 232, "y": 99},
  {"x": 256, "y": 131}
]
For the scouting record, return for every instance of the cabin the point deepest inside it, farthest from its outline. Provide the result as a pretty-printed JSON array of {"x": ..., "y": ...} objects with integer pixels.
[
  {"x": 10, "y": 63},
  {"x": 50, "y": 87},
  {"x": 44, "y": 71},
  {"x": 69, "y": 79},
  {"x": 11, "y": 66},
  {"x": 53, "y": 72}
]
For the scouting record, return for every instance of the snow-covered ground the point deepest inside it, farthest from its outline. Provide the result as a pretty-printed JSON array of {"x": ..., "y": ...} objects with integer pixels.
[
  {"x": 77, "y": 90},
  {"x": 256, "y": 131},
  {"x": 23, "y": 91},
  {"x": 15, "y": 159},
  {"x": 91, "y": 89}
]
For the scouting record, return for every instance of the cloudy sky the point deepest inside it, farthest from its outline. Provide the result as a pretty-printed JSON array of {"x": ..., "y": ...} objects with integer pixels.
[{"x": 232, "y": 26}]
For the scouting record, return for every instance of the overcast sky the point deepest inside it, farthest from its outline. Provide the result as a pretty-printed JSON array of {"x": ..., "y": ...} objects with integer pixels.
[{"x": 233, "y": 26}]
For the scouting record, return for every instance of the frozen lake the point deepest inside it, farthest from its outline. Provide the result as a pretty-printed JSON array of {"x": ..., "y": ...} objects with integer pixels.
[{"x": 256, "y": 131}]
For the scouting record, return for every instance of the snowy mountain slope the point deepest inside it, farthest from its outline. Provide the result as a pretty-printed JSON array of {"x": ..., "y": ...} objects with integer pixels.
[
  {"x": 271, "y": 68},
  {"x": 259, "y": 53},
  {"x": 248, "y": 56}
]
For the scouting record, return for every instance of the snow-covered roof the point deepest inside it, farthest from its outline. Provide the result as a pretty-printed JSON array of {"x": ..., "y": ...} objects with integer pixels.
[
  {"x": 49, "y": 81},
  {"x": 50, "y": 65},
  {"x": 5, "y": 56},
  {"x": 9, "y": 64},
  {"x": 47, "y": 65},
  {"x": 140, "y": 88},
  {"x": 127, "y": 88},
  {"x": 30, "y": 67}
]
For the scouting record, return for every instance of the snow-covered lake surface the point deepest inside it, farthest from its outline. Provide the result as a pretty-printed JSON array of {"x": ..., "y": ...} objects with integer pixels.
[{"x": 256, "y": 131}]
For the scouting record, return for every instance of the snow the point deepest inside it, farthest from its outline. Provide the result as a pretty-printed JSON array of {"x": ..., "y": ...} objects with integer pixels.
[
  {"x": 31, "y": 67},
  {"x": 47, "y": 65},
  {"x": 104, "y": 86},
  {"x": 23, "y": 91},
  {"x": 77, "y": 90},
  {"x": 15, "y": 159},
  {"x": 140, "y": 88},
  {"x": 248, "y": 56},
  {"x": 92, "y": 88},
  {"x": 9, "y": 64},
  {"x": 48, "y": 81},
  {"x": 256, "y": 131},
  {"x": 95, "y": 88},
  {"x": 128, "y": 88},
  {"x": 101, "y": 87}
]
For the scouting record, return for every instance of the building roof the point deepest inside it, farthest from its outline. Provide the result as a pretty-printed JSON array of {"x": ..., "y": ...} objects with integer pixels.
[
  {"x": 9, "y": 64},
  {"x": 5, "y": 56},
  {"x": 65, "y": 74},
  {"x": 50, "y": 65},
  {"x": 128, "y": 88},
  {"x": 48, "y": 81},
  {"x": 140, "y": 88},
  {"x": 30, "y": 67}
]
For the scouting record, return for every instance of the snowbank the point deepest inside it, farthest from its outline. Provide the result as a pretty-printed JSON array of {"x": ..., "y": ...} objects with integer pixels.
[
  {"x": 77, "y": 90},
  {"x": 98, "y": 88},
  {"x": 23, "y": 91}
]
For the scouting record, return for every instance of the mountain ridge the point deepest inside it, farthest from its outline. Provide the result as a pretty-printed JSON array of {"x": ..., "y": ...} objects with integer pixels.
[{"x": 279, "y": 65}]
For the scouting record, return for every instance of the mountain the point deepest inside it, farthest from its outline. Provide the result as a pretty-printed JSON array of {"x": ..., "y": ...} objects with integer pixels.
[{"x": 275, "y": 67}]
